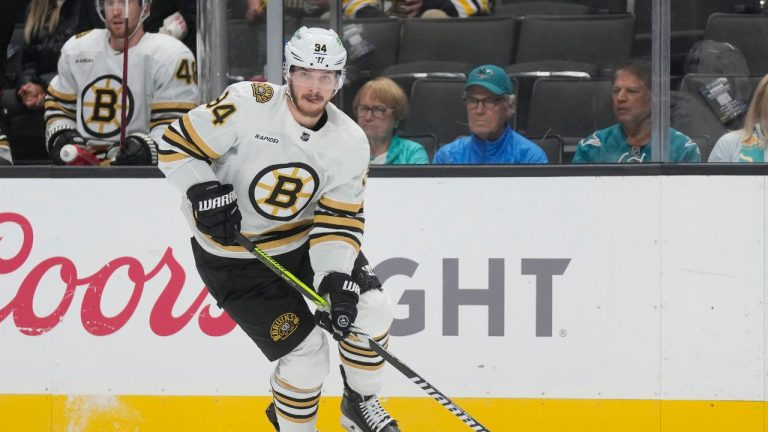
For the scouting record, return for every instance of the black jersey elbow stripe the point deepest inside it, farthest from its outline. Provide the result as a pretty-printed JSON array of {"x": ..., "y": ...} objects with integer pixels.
[
  {"x": 358, "y": 217},
  {"x": 174, "y": 138},
  {"x": 361, "y": 365},
  {"x": 184, "y": 150},
  {"x": 51, "y": 118},
  {"x": 351, "y": 223},
  {"x": 297, "y": 403},
  {"x": 335, "y": 227},
  {"x": 341, "y": 206},
  {"x": 345, "y": 346},
  {"x": 62, "y": 97},
  {"x": 189, "y": 132},
  {"x": 349, "y": 210}
]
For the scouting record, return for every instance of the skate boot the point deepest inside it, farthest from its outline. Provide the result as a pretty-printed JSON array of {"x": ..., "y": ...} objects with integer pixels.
[{"x": 364, "y": 413}]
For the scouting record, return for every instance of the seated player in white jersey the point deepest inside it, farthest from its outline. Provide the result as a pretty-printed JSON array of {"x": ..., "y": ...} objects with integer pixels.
[
  {"x": 84, "y": 105},
  {"x": 287, "y": 169}
]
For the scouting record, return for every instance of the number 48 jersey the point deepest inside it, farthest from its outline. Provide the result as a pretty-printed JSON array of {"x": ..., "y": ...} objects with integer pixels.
[
  {"x": 87, "y": 92},
  {"x": 293, "y": 183}
]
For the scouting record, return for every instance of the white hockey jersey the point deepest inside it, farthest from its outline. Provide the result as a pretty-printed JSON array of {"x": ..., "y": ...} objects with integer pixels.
[
  {"x": 5, "y": 149},
  {"x": 293, "y": 184},
  {"x": 87, "y": 92}
]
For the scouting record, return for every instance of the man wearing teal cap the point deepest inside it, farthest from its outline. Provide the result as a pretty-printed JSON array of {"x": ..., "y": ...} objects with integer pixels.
[{"x": 490, "y": 101}]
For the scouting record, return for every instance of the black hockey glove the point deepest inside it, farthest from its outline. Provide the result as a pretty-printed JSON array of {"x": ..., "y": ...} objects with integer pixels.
[
  {"x": 214, "y": 206},
  {"x": 61, "y": 138},
  {"x": 344, "y": 294},
  {"x": 139, "y": 149}
]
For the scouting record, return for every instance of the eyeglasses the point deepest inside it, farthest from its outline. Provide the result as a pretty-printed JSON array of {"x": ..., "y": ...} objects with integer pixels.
[
  {"x": 321, "y": 79},
  {"x": 473, "y": 102},
  {"x": 378, "y": 111}
]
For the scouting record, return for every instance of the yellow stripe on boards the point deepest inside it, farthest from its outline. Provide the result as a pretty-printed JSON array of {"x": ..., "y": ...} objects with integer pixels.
[{"x": 58, "y": 413}]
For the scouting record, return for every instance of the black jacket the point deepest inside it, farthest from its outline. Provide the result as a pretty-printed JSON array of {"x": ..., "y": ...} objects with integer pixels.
[{"x": 40, "y": 57}]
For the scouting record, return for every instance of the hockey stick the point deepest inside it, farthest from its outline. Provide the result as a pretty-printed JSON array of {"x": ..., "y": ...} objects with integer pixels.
[
  {"x": 323, "y": 304},
  {"x": 124, "y": 90}
]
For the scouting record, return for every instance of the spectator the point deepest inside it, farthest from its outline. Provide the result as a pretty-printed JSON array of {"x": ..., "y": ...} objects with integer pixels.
[
  {"x": 351, "y": 8},
  {"x": 177, "y": 18},
  {"x": 380, "y": 106},
  {"x": 48, "y": 25},
  {"x": 9, "y": 10},
  {"x": 84, "y": 101},
  {"x": 627, "y": 141},
  {"x": 490, "y": 101},
  {"x": 748, "y": 143}
]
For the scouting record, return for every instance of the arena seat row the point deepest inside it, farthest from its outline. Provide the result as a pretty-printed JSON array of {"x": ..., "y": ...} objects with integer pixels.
[{"x": 567, "y": 110}]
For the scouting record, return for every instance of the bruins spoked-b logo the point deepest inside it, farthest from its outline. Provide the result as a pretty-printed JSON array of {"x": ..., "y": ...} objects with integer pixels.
[
  {"x": 102, "y": 102},
  {"x": 280, "y": 192},
  {"x": 283, "y": 326}
]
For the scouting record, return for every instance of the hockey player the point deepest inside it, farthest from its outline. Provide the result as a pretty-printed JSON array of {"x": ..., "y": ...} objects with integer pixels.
[
  {"x": 289, "y": 169},
  {"x": 5, "y": 150},
  {"x": 84, "y": 100}
]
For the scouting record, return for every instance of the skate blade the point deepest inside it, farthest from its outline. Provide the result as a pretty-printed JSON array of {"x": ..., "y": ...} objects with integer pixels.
[{"x": 349, "y": 425}]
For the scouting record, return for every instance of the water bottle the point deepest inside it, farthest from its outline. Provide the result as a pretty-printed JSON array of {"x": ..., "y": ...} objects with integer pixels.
[{"x": 74, "y": 155}]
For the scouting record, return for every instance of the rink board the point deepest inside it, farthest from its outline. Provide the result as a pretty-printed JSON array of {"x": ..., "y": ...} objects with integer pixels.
[{"x": 571, "y": 303}]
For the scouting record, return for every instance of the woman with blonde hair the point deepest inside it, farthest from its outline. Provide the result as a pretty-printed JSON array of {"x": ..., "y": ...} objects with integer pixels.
[
  {"x": 49, "y": 24},
  {"x": 380, "y": 105},
  {"x": 748, "y": 143}
]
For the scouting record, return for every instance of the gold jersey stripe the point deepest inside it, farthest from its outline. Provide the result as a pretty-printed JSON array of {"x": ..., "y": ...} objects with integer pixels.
[
  {"x": 190, "y": 129},
  {"x": 172, "y": 157},
  {"x": 340, "y": 221},
  {"x": 53, "y": 104},
  {"x": 331, "y": 237},
  {"x": 177, "y": 139},
  {"x": 181, "y": 106},
  {"x": 285, "y": 227},
  {"x": 64, "y": 97},
  {"x": 347, "y": 207}
]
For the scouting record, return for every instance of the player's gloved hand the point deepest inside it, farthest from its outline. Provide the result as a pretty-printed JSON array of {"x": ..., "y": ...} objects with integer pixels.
[
  {"x": 343, "y": 293},
  {"x": 214, "y": 207},
  {"x": 61, "y": 138},
  {"x": 139, "y": 149}
]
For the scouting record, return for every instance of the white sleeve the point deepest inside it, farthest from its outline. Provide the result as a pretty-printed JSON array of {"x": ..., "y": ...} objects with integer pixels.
[
  {"x": 339, "y": 220},
  {"x": 175, "y": 91},
  {"x": 190, "y": 144},
  {"x": 61, "y": 98}
]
